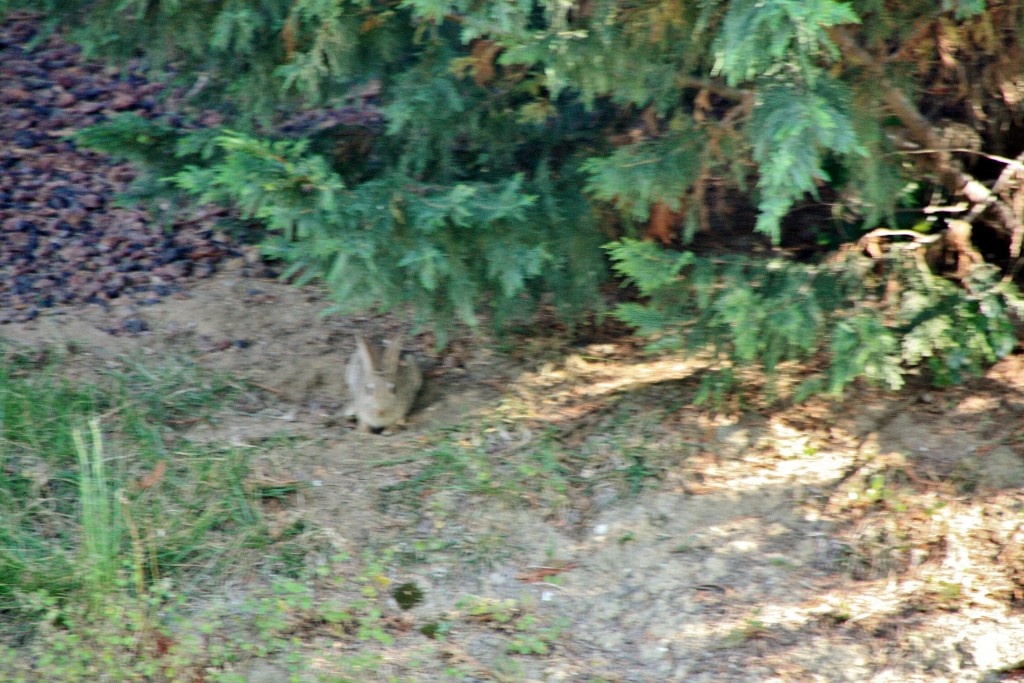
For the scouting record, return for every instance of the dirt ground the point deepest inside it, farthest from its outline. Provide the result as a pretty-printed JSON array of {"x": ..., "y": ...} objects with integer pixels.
[{"x": 876, "y": 540}]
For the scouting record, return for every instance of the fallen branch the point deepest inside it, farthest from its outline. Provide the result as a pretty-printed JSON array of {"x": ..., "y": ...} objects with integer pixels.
[{"x": 950, "y": 172}]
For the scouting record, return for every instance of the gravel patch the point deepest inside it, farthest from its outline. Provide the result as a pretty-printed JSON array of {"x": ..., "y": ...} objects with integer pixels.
[{"x": 62, "y": 239}]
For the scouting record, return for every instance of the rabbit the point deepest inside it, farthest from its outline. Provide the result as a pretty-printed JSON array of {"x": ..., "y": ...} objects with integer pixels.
[{"x": 383, "y": 384}]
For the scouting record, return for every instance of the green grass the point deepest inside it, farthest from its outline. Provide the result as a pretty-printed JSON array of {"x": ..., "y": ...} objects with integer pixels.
[
  {"x": 95, "y": 485},
  {"x": 119, "y": 537},
  {"x": 117, "y": 534},
  {"x": 39, "y": 477},
  {"x": 548, "y": 469},
  {"x": 503, "y": 463}
]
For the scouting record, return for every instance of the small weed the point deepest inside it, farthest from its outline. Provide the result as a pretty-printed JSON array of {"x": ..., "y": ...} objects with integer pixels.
[
  {"x": 837, "y": 616},
  {"x": 98, "y": 505},
  {"x": 948, "y": 592},
  {"x": 100, "y": 523},
  {"x": 175, "y": 392},
  {"x": 161, "y": 638},
  {"x": 876, "y": 491},
  {"x": 941, "y": 595},
  {"x": 526, "y": 635},
  {"x": 515, "y": 466},
  {"x": 532, "y": 639},
  {"x": 751, "y": 629},
  {"x": 407, "y": 595},
  {"x": 489, "y": 610},
  {"x": 436, "y": 630}
]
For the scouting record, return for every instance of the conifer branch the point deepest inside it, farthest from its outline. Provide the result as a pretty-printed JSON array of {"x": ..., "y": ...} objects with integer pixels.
[{"x": 951, "y": 173}]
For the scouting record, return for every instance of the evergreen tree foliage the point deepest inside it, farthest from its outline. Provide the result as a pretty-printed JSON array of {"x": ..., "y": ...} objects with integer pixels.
[
  {"x": 503, "y": 142},
  {"x": 444, "y": 249},
  {"x": 866, "y": 322}
]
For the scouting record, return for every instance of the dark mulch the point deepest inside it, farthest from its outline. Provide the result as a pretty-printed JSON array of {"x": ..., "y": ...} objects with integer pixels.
[{"x": 62, "y": 240}]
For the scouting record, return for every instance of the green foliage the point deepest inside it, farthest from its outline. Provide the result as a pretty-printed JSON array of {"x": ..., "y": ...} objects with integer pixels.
[
  {"x": 761, "y": 40},
  {"x": 661, "y": 170},
  {"x": 964, "y": 9},
  {"x": 879, "y": 184},
  {"x": 792, "y": 128},
  {"x": 475, "y": 197},
  {"x": 67, "y": 507},
  {"x": 158, "y": 637},
  {"x": 506, "y": 130},
  {"x": 101, "y": 525},
  {"x": 442, "y": 249},
  {"x": 445, "y": 249},
  {"x": 865, "y": 324},
  {"x": 615, "y": 58}
]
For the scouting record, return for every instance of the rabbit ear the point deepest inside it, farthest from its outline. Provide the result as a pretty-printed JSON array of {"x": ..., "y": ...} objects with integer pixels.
[
  {"x": 365, "y": 353},
  {"x": 392, "y": 356}
]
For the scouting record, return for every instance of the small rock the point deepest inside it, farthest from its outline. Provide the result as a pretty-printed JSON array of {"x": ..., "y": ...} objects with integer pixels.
[
  {"x": 204, "y": 269},
  {"x": 73, "y": 215},
  {"x": 172, "y": 271},
  {"x": 134, "y": 325},
  {"x": 122, "y": 102},
  {"x": 25, "y": 139},
  {"x": 89, "y": 107},
  {"x": 90, "y": 92},
  {"x": 91, "y": 201},
  {"x": 64, "y": 99},
  {"x": 14, "y": 94}
]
